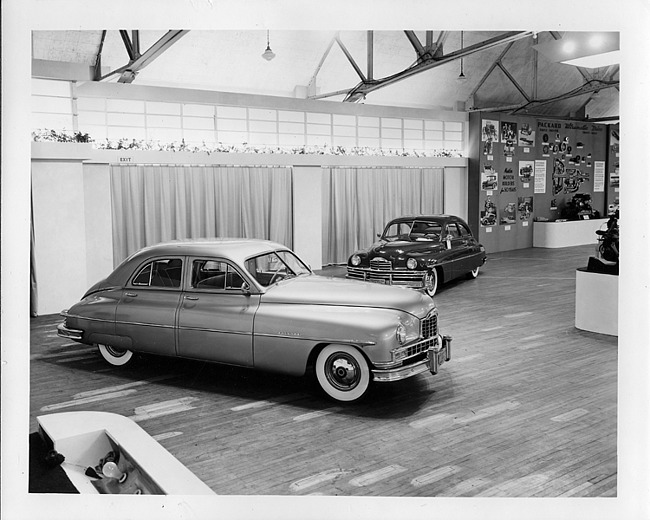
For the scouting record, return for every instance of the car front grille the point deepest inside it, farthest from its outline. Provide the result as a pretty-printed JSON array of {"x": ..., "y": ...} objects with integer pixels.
[
  {"x": 389, "y": 277},
  {"x": 429, "y": 326},
  {"x": 380, "y": 264}
]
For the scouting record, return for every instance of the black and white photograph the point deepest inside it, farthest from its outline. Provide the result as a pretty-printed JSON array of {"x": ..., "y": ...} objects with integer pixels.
[{"x": 253, "y": 267}]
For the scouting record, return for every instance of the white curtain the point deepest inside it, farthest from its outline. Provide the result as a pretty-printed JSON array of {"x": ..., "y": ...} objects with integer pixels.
[
  {"x": 358, "y": 202},
  {"x": 155, "y": 203}
]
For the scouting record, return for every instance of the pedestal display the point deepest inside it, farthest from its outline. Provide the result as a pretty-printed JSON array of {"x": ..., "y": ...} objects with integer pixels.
[
  {"x": 566, "y": 234},
  {"x": 596, "y": 302}
]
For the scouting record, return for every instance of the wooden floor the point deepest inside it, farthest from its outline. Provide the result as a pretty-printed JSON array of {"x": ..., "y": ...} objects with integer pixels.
[{"x": 526, "y": 407}]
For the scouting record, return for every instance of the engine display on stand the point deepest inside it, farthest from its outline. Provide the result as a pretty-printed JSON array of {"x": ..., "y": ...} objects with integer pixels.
[
  {"x": 579, "y": 208},
  {"x": 607, "y": 249}
]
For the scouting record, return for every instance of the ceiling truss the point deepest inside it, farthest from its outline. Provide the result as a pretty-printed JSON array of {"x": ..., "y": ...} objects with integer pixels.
[
  {"x": 137, "y": 60},
  {"x": 428, "y": 56}
]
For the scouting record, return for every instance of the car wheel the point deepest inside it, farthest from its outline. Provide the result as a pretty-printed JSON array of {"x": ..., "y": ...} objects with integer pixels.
[
  {"x": 342, "y": 372},
  {"x": 115, "y": 356},
  {"x": 473, "y": 273},
  {"x": 431, "y": 282}
]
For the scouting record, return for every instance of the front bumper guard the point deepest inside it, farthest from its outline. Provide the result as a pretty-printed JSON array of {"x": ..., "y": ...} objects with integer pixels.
[
  {"x": 67, "y": 333},
  {"x": 435, "y": 358}
]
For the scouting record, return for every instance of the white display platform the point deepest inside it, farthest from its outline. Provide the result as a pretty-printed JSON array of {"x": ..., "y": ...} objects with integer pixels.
[
  {"x": 597, "y": 302},
  {"x": 84, "y": 437},
  {"x": 566, "y": 234}
]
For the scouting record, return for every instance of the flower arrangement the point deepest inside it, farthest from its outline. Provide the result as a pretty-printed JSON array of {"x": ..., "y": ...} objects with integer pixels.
[{"x": 148, "y": 145}]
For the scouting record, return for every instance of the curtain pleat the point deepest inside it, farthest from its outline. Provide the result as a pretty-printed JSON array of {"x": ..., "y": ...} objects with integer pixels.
[
  {"x": 157, "y": 203},
  {"x": 358, "y": 202}
]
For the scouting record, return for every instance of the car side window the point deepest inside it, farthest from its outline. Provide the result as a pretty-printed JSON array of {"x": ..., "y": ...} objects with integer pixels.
[
  {"x": 214, "y": 274},
  {"x": 453, "y": 230},
  {"x": 464, "y": 230},
  {"x": 160, "y": 273}
]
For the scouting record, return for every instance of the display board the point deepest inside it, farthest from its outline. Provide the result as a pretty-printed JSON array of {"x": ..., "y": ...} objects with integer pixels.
[{"x": 524, "y": 169}]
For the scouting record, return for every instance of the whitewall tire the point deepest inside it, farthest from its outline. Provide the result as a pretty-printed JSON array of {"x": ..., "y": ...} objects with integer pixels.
[
  {"x": 342, "y": 372},
  {"x": 431, "y": 282},
  {"x": 115, "y": 356}
]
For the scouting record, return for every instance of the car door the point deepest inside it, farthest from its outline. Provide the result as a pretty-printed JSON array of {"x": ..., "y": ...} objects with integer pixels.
[
  {"x": 215, "y": 320},
  {"x": 456, "y": 244},
  {"x": 146, "y": 312}
]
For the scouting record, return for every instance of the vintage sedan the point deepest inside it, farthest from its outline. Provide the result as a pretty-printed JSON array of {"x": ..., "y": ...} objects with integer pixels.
[
  {"x": 254, "y": 303},
  {"x": 419, "y": 252}
]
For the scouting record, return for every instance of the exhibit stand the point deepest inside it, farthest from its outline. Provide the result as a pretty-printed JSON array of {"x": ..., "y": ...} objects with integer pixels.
[
  {"x": 566, "y": 234},
  {"x": 596, "y": 302}
]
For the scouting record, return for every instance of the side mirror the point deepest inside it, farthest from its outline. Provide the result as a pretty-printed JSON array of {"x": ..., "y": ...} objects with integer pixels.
[{"x": 246, "y": 288}]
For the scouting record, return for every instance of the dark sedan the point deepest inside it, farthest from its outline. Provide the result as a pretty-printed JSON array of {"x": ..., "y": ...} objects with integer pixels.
[{"x": 420, "y": 252}]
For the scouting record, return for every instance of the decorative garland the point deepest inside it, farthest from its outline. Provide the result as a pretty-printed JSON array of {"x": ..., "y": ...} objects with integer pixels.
[{"x": 145, "y": 145}]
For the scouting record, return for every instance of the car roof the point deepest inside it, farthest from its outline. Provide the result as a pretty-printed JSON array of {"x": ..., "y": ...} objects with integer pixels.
[
  {"x": 429, "y": 218},
  {"x": 234, "y": 249}
]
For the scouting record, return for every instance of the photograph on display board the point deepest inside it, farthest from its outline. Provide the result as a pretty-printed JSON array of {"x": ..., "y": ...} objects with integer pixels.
[
  {"x": 509, "y": 148},
  {"x": 489, "y": 130},
  {"x": 508, "y": 131},
  {"x": 526, "y": 135},
  {"x": 488, "y": 148},
  {"x": 509, "y": 214},
  {"x": 489, "y": 213},
  {"x": 567, "y": 180},
  {"x": 614, "y": 140},
  {"x": 489, "y": 178},
  {"x": 526, "y": 171},
  {"x": 525, "y": 208}
]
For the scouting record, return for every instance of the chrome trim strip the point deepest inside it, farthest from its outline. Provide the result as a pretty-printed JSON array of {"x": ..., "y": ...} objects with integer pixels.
[
  {"x": 321, "y": 340},
  {"x": 397, "y": 374}
]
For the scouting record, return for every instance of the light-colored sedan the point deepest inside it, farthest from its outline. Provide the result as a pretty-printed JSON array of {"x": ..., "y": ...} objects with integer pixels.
[{"x": 254, "y": 303}]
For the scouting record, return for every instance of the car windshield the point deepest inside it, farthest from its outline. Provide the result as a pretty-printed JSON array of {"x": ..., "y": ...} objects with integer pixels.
[
  {"x": 272, "y": 267},
  {"x": 412, "y": 230}
]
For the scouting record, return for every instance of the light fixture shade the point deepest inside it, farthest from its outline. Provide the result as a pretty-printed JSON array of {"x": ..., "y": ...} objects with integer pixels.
[
  {"x": 268, "y": 54},
  {"x": 583, "y": 49}
]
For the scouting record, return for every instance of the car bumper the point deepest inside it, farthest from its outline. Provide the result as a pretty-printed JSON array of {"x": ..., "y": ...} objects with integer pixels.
[
  {"x": 435, "y": 358},
  {"x": 67, "y": 333},
  {"x": 413, "y": 279}
]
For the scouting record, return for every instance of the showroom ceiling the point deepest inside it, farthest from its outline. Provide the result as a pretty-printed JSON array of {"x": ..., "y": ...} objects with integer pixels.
[{"x": 501, "y": 71}]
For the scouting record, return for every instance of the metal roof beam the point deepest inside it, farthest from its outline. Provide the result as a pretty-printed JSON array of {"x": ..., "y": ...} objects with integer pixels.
[
  {"x": 366, "y": 86},
  {"x": 350, "y": 58},
  {"x": 129, "y": 71}
]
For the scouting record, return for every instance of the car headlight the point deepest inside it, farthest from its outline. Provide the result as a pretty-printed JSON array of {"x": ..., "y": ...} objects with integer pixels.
[
  {"x": 401, "y": 334},
  {"x": 355, "y": 260},
  {"x": 411, "y": 263}
]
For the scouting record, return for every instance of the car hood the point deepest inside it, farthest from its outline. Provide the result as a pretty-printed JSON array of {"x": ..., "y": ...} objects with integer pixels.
[
  {"x": 322, "y": 290},
  {"x": 405, "y": 247}
]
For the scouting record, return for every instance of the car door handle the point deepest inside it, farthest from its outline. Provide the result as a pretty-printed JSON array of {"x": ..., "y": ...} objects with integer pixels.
[
  {"x": 191, "y": 297},
  {"x": 130, "y": 294}
]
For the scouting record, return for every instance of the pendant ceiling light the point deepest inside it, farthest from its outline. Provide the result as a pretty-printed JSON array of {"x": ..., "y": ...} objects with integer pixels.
[
  {"x": 461, "y": 76},
  {"x": 268, "y": 53}
]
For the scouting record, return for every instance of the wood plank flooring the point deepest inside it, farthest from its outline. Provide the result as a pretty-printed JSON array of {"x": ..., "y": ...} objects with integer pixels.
[{"x": 526, "y": 408}]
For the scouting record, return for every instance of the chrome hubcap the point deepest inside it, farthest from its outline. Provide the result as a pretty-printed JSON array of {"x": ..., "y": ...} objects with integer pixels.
[
  {"x": 342, "y": 371},
  {"x": 115, "y": 352}
]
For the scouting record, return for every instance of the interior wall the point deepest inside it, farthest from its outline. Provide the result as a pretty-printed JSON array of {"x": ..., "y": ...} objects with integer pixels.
[
  {"x": 307, "y": 214},
  {"x": 61, "y": 250},
  {"x": 525, "y": 169},
  {"x": 72, "y": 207},
  {"x": 455, "y": 185}
]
